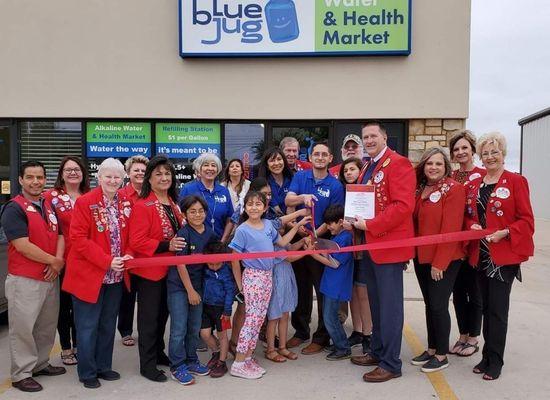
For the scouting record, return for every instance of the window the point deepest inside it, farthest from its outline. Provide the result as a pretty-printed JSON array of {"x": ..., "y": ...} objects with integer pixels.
[{"x": 245, "y": 142}]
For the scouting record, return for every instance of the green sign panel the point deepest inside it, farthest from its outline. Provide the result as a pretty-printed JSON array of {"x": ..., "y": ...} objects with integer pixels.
[
  {"x": 118, "y": 139},
  {"x": 187, "y": 140}
]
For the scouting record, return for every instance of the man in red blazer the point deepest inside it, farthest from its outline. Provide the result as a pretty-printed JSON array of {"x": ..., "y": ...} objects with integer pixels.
[{"x": 394, "y": 184}]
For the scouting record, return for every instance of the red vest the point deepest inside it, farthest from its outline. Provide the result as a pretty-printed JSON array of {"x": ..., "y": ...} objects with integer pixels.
[{"x": 41, "y": 233}]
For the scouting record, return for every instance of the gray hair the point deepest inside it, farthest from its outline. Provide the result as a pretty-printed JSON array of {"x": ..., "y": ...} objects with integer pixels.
[
  {"x": 111, "y": 164},
  {"x": 139, "y": 159},
  {"x": 288, "y": 140},
  {"x": 203, "y": 159},
  {"x": 495, "y": 138}
]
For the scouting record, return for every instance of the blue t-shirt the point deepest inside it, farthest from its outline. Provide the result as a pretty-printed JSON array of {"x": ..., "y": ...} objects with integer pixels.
[
  {"x": 195, "y": 244},
  {"x": 220, "y": 207},
  {"x": 250, "y": 240},
  {"x": 278, "y": 193},
  {"x": 328, "y": 191},
  {"x": 337, "y": 283}
]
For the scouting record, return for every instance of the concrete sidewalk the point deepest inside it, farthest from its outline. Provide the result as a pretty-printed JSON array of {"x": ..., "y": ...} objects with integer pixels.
[{"x": 524, "y": 376}]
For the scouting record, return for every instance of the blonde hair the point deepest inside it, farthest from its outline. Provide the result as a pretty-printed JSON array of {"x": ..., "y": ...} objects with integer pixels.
[
  {"x": 495, "y": 138},
  {"x": 139, "y": 159}
]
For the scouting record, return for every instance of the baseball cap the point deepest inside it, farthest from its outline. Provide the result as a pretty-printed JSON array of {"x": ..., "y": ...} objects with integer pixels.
[{"x": 353, "y": 138}]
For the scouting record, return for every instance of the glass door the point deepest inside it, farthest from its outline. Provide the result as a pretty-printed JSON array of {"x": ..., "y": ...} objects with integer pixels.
[
  {"x": 307, "y": 133},
  {"x": 5, "y": 192}
]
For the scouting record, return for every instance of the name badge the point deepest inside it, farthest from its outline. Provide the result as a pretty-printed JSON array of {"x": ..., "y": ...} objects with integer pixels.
[
  {"x": 53, "y": 219},
  {"x": 435, "y": 196},
  {"x": 379, "y": 176},
  {"x": 502, "y": 193},
  {"x": 475, "y": 176}
]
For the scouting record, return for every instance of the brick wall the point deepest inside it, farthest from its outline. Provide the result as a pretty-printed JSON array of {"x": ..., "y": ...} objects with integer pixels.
[{"x": 426, "y": 133}]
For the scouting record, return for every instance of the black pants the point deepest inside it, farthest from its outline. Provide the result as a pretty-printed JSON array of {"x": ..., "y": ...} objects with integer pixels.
[
  {"x": 151, "y": 321},
  {"x": 65, "y": 321},
  {"x": 308, "y": 277},
  {"x": 436, "y": 299},
  {"x": 126, "y": 312},
  {"x": 495, "y": 295},
  {"x": 467, "y": 301}
]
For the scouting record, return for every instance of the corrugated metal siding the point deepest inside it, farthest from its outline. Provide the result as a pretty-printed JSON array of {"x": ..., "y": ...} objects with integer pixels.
[{"x": 536, "y": 164}]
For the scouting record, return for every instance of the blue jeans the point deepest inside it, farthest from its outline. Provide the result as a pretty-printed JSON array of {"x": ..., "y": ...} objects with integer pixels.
[
  {"x": 95, "y": 331},
  {"x": 333, "y": 325},
  {"x": 185, "y": 325}
]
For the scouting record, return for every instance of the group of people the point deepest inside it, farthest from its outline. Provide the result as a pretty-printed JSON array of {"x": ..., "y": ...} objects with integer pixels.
[{"x": 83, "y": 238}]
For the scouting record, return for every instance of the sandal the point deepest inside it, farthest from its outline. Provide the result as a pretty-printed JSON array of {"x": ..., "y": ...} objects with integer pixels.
[
  {"x": 480, "y": 368},
  {"x": 287, "y": 353},
  {"x": 274, "y": 356},
  {"x": 458, "y": 344},
  {"x": 466, "y": 346},
  {"x": 487, "y": 377},
  {"x": 128, "y": 341},
  {"x": 69, "y": 358}
]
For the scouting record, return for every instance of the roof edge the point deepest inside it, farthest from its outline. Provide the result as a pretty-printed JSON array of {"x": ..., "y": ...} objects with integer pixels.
[{"x": 532, "y": 117}]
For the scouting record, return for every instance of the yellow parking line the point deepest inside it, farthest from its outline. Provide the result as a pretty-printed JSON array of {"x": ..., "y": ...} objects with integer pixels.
[
  {"x": 6, "y": 385},
  {"x": 437, "y": 379}
]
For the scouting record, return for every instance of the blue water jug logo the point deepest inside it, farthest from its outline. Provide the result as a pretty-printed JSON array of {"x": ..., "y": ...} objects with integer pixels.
[{"x": 282, "y": 22}]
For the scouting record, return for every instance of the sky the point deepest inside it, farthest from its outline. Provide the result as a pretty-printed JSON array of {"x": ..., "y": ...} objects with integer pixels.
[{"x": 509, "y": 67}]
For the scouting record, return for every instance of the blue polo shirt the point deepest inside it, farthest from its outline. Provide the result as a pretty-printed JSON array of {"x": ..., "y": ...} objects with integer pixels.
[
  {"x": 220, "y": 207},
  {"x": 278, "y": 193},
  {"x": 337, "y": 283},
  {"x": 328, "y": 191}
]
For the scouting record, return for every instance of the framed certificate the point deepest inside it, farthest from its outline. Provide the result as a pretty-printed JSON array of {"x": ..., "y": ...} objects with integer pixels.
[{"x": 359, "y": 201}]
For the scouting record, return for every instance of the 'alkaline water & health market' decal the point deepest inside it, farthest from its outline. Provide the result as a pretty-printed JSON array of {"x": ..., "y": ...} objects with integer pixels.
[
  {"x": 118, "y": 139},
  {"x": 217, "y": 28}
]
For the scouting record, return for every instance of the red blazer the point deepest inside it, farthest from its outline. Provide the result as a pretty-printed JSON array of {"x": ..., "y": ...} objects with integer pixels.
[
  {"x": 90, "y": 256},
  {"x": 130, "y": 193},
  {"x": 470, "y": 176},
  {"x": 395, "y": 183},
  {"x": 147, "y": 231},
  {"x": 61, "y": 203},
  {"x": 509, "y": 207},
  {"x": 441, "y": 212},
  {"x": 335, "y": 170}
]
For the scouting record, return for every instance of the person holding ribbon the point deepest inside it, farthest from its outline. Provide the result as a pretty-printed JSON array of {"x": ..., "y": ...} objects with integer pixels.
[
  {"x": 71, "y": 183},
  {"x": 439, "y": 210},
  {"x": 95, "y": 271},
  {"x": 207, "y": 167},
  {"x": 155, "y": 220},
  {"x": 274, "y": 168},
  {"x": 135, "y": 170},
  {"x": 466, "y": 293},
  {"x": 235, "y": 181},
  {"x": 392, "y": 176},
  {"x": 500, "y": 202}
]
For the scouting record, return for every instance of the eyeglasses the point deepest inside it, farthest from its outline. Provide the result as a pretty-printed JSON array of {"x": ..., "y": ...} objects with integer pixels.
[
  {"x": 493, "y": 153},
  {"x": 194, "y": 213},
  {"x": 320, "y": 155},
  {"x": 69, "y": 171}
]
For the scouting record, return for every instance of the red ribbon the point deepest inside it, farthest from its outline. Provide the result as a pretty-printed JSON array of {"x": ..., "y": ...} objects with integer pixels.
[{"x": 460, "y": 236}]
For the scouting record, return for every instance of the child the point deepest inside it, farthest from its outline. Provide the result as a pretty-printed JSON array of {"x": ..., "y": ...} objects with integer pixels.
[
  {"x": 336, "y": 283},
  {"x": 255, "y": 234},
  {"x": 219, "y": 289},
  {"x": 184, "y": 287}
]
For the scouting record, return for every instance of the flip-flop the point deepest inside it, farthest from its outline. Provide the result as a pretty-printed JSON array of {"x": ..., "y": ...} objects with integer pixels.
[
  {"x": 128, "y": 341},
  {"x": 468, "y": 346},
  {"x": 69, "y": 359},
  {"x": 457, "y": 344}
]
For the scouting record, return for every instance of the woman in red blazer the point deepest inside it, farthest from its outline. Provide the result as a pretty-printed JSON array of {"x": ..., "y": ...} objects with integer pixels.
[
  {"x": 71, "y": 183},
  {"x": 439, "y": 209},
  {"x": 466, "y": 293},
  {"x": 95, "y": 271},
  {"x": 499, "y": 201},
  {"x": 154, "y": 223}
]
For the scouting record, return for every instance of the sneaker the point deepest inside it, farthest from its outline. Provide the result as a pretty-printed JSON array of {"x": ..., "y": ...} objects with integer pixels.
[
  {"x": 182, "y": 375},
  {"x": 253, "y": 364},
  {"x": 355, "y": 339},
  {"x": 329, "y": 349},
  {"x": 421, "y": 359},
  {"x": 196, "y": 368},
  {"x": 338, "y": 355},
  {"x": 201, "y": 346},
  {"x": 219, "y": 369},
  {"x": 366, "y": 344},
  {"x": 215, "y": 357},
  {"x": 434, "y": 365},
  {"x": 244, "y": 371}
]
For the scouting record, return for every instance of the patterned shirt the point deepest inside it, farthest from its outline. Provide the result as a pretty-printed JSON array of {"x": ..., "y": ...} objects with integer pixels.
[{"x": 113, "y": 225}]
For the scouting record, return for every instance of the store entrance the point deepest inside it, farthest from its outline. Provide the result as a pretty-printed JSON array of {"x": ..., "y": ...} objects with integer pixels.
[
  {"x": 5, "y": 191},
  {"x": 307, "y": 133}
]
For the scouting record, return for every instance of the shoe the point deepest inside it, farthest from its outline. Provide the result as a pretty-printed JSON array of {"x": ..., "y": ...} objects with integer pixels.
[
  {"x": 421, "y": 359},
  {"x": 355, "y": 339},
  {"x": 27, "y": 385},
  {"x": 202, "y": 348},
  {"x": 481, "y": 367},
  {"x": 294, "y": 342},
  {"x": 467, "y": 346},
  {"x": 379, "y": 375},
  {"x": 182, "y": 375},
  {"x": 109, "y": 375},
  {"x": 68, "y": 358},
  {"x": 253, "y": 364},
  {"x": 312, "y": 348},
  {"x": 50, "y": 370},
  {"x": 458, "y": 345},
  {"x": 434, "y": 365},
  {"x": 329, "y": 349},
  {"x": 338, "y": 355},
  {"x": 366, "y": 344},
  {"x": 213, "y": 360},
  {"x": 196, "y": 368},
  {"x": 244, "y": 371},
  {"x": 219, "y": 369},
  {"x": 162, "y": 359},
  {"x": 92, "y": 383},
  {"x": 155, "y": 375},
  {"x": 128, "y": 341},
  {"x": 365, "y": 360}
]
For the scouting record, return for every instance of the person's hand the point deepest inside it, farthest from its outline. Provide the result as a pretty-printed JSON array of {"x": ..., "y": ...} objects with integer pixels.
[
  {"x": 359, "y": 223},
  {"x": 309, "y": 243},
  {"x": 50, "y": 274},
  {"x": 476, "y": 227},
  {"x": 127, "y": 257},
  {"x": 497, "y": 236},
  {"x": 309, "y": 200},
  {"x": 304, "y": 212},
  {"x": 57, "y": 264},
  {"x": 437, "y": 274},
  {"x": 194, "y": 297},
  {"x": 304, "y": 221},
  {"x": 117, "y": 264},
  {"x": 302, "y": 231},
  {"x": 348, "y": 226},
  {"x": 177, "y": 244}
]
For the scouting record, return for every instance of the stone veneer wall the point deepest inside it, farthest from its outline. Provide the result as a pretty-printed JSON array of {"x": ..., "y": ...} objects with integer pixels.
[{"x": 426, "y": 133}]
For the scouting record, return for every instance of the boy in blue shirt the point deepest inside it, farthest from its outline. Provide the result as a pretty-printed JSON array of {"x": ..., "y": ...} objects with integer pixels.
[
  {"x": 218, "y": 291},
  {"x": 337, "y": 282}
]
